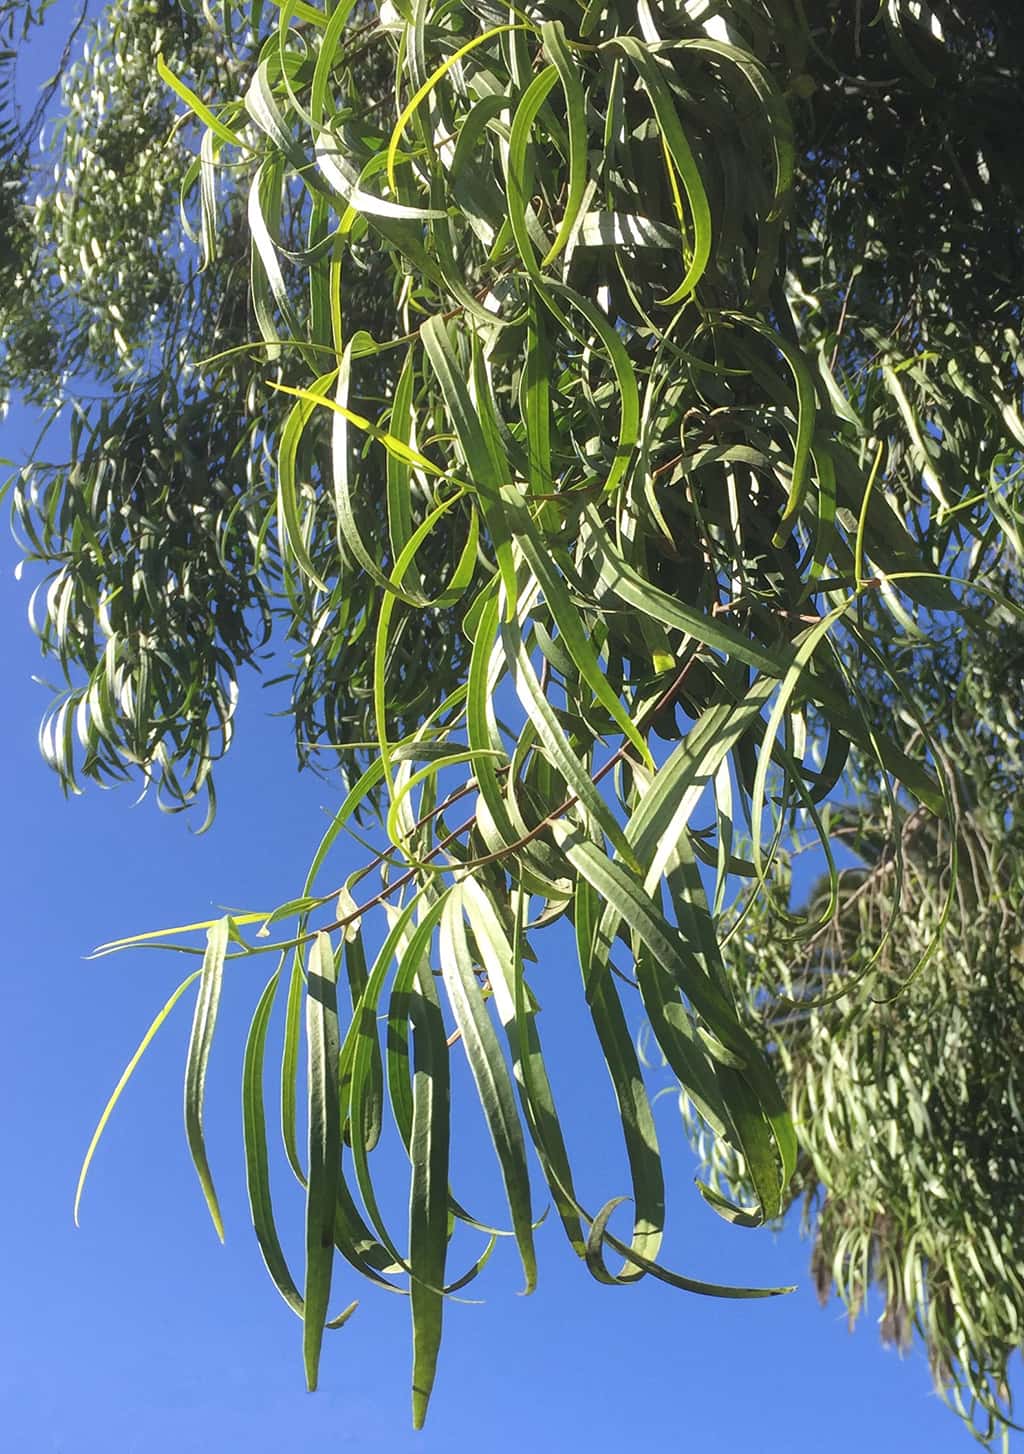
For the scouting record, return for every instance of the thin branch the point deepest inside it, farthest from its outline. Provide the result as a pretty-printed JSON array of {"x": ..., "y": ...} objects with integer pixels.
[
  {"x": 34, "y": 122},
  {"x": 621, "y": 754}
]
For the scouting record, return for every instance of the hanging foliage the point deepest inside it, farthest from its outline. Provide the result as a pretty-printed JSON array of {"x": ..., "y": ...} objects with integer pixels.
[
  {"x": 651, "y": 451},
  {"x": 891, "y": 1019}
]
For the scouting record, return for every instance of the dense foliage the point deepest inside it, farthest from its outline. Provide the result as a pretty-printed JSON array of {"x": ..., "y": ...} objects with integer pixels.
[
  {"x": 623, "y": 396},
  {"x": 892, "y": 1015},
  {"x": 163, "y": 579}
]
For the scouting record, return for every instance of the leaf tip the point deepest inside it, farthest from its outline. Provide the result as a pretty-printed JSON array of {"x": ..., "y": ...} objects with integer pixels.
[{"x": 420, "y": 1404}]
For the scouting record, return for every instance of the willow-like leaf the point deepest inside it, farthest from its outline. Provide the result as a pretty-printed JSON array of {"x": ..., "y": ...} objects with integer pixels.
[
  {"x": 254, "y": 1136},
  {"x": 322, "y": 1047},
  {"x": 203, "y": 1025},
  {"x": 122, "y": 1083},
  {"x": 582, "y": 337},
  {"x": 428, "y": 1207},
  {"x": 493, "y": 1083}
]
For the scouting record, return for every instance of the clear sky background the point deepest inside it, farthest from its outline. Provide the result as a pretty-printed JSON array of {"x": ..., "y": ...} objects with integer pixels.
[{"x": 139, "y": 1332}]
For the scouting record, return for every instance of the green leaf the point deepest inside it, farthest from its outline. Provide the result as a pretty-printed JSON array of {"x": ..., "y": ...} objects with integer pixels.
[
  {"x": 125, "y": 1078},
  {"x": 679, "y": 159},
  {"x": 505, "y": 971},
  {"x": 196, "y": 106},
  {"x": 635, "y": 1113},
  {"x": 428, "y": 1205},
  {"x": 322, "y": 1048},
  {"x": 204, "y": 1023},
  {"x": 599, "y": 1234},
  {"x": 254, "y": 1136},
  {"x": 490, "y": 1074}
]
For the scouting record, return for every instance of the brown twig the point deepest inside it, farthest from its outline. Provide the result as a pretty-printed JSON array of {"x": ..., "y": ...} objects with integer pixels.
[
  {"x": 619, "y": 755},
  {"x": 842, "y": 319}
]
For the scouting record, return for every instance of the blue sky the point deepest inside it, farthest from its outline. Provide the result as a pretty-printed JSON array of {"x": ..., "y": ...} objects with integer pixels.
[{"x": 140, "y": 1332}]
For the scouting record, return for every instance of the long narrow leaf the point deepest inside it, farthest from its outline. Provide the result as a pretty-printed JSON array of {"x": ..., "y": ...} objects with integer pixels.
[{"x": 203, "y": 1025}]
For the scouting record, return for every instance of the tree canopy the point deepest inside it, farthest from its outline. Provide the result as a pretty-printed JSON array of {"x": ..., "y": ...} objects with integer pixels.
[
  {"x": 614, "y": 410},
  {"x": 892, "y": 1026}
]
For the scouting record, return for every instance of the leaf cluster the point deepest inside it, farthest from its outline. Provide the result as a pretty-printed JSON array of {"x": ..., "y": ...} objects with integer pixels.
[
  {"x": 600, "y": 525},
  {"x": 891, "y": 1012}
]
